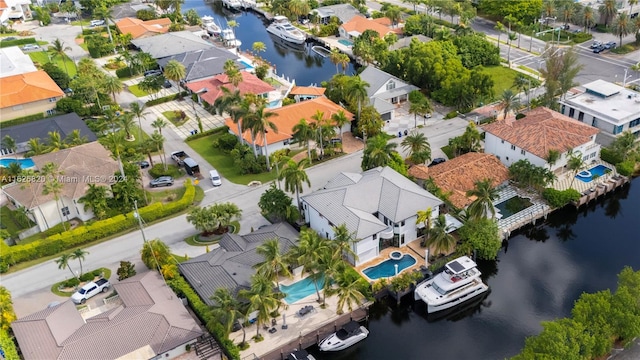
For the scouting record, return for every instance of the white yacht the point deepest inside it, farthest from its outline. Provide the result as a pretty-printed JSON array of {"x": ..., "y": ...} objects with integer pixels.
[
  {"x": 248, "y": 4},
  {"x": 460, "y": 281},
  {"x": 350, "y": 334},
  {"x": 232, "y": 4},
  {"x": 229, "y": 38},
  {"x": 282, "y": 28},
  {"x": 210, "y": 25}
]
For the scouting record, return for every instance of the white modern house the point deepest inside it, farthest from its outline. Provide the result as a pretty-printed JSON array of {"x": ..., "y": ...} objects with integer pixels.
[
  {"x": 378, "y": 206},
  {"x": 15, "y": 10},
  {"x": 540, "y": 131},
  {"x": 609, "y": 107},
  {"x": 385, "y": 91}
]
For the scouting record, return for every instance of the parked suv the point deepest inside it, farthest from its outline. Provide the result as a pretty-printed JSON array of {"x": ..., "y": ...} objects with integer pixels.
[{"x": 97, "y": 23}]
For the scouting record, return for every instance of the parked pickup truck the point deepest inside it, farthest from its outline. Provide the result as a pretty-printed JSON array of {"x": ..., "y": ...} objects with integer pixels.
[
  {"x": 179, "y": 156},
  {"x": 89, "y": 290}
]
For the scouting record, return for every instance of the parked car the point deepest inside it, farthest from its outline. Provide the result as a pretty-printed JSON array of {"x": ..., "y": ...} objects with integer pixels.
[
  {"x": 610, "y": 45},
  {"x": 595, "y": 44},
  {"x": 161, "y": 181},
  {"x": 152, "y": 73},
  {"x": 167, "y": 84},
  {"x": 89, "y": 290},
  {"x": 215, "y": 178},
  {"x": 97, "y": 23},
  {"x": 31, "y": 47},
  {"x": 599, "y": 49},
  {"x": 143, "y": 164},
  {"x": 9, "y": 38},
  {"x": 437, "y": 161}
]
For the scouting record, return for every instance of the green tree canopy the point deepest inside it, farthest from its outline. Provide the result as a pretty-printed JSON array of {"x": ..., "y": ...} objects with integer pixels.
[{"x": 482, "y": 235}]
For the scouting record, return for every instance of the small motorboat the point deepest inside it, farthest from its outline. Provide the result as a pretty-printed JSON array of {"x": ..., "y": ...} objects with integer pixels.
[
  {"x": 350, "y": 334},
  {"x": 300, "y": 355},
  {"x": 229, "y": 38},
  {"x": 321, "y": 50},
  {"x": 208, "y": 23}
]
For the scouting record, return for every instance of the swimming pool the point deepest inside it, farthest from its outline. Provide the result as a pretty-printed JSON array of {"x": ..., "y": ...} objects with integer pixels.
[
  {"x": 345, "y": 42},
  {"x": 300, "y": 289},
  {"x": 513, "y": 206},
  {"x": 274, "y": 104},
  {"x": 596, "y": 171},
  {"x": 387, "y": 268},
  {"x": 247, "y": 65},
  {"x": 24, "y": 163}
]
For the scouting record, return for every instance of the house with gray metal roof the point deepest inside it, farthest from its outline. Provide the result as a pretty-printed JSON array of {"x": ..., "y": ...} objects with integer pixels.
[
  {"x": 203, "y": 63},
  {"x": 385, "y": 91},
  {"x": 344, "y": 12},
  {"x": 378, "y": 206},
  {"x": 171, "y": 43},
  {"x": 230, "y": 265},
  {"x": 150, "y": 323}
]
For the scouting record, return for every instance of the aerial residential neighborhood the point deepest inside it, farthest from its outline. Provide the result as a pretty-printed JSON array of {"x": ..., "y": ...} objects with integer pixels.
[{"x": 292, "y": 179}]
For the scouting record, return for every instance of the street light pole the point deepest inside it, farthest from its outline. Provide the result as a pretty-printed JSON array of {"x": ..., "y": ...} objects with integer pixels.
[{"x": 136, "y": 214}]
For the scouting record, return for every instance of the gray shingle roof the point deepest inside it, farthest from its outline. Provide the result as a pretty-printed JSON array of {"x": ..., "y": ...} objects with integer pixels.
[
  {"x": 172, "y": 43},
  {"x": 202, "y": 63},
  {"x": 377, "y": 80},
  {"x": 231, "y": 265},
  {"x": 379, "y": 190},
  {"x": 344, "y": 12},
  {"x": 151, "y": 316}
]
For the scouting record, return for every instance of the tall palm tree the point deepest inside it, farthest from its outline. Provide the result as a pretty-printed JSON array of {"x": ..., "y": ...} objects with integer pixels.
[
  {"x": 137, "y": 110},
  {"x": 79, "y": 254},
  {"x": 303, "y": 133},
  {"x": 511, "y": 36},
  {"x": 233, "y": 73},
  {"x": 175, "y": 71},
  {"x": 95, "y": 199},
  {"x": 484, "y": 194},
  {"x": 63, "y": 263},
  {"x": 347, "y": 291},
  {"x": 440, "y": 238},
  {"x": 115, "y": 143},
  {"x": 55, "y": 141},
  {"x": 622, "y": 26},
  {"x": 424, "y": 216},
  {"x": 421, "y": 107},
  {"x": 588, "y": 17},
  {"x": 52, "y": 185},
  {"x": 552, "y": 157},
  {"x": 159, "y": 124},
  {"x": 334, "y": 57},
  {"x": 75, "y": 138},
  {"x": 104, "y": 13},
  {"x": 112, "y": 85},
  {"x": 126, "y": 121},
  {"x": 158, "y": 140},
  {"x": 294, "y": 177},
  {"x": 417, "y": 147},
  {"x": 608, "y": 11},
  {"x": 57, "y": 49},
  {"x": 329, "y": 266},
  {"x": 308, "y": 253},
  {"x": 356, "y": 91},
  {"x": 318, "y": 125},
  {"x": 340, "y": 119},
  {"x": 274, "y": 263},
  {"x": 261, "y": 299},
  {"x": 344, "y": 61},
  {"x": 259, "y": 123},
  {"x": 575, "y": 164},
  {"x": 500, "y": 28},
  {"x": 508, "y": 101},
  {"x": 231, "y": 103},
  {"x": 342, "y": 242},
  {"x": 377, "y": 152},
  {"x": 226, "y": 309},
  {"x": 10, "y": 144},
  {"x": 36, "y": 147}
]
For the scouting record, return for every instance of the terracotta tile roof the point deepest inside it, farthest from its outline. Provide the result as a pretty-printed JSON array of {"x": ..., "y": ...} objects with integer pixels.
[
  {"x": 288, "y": 116},
  {"x": 307, "y": 90},
  {"x": 360, "y": 23},
  {"x": 91, "y": 162},
  {"x": 541, "y": 130},
  {"x": 138, "y": 28},
  {"x": 26, "y": 88},
  {"x": 460, "y": 174},
  {"x": 419, "y": 171},
  {"x": 250, "y": 84},
  {"x": 3, "y": 5}
]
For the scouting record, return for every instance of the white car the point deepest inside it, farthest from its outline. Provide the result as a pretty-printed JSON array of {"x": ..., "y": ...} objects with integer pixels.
[
  {"x": 215, "y": 178},
  {"x": 31, "y": 47},
  {"x": 97, "y": 22}
]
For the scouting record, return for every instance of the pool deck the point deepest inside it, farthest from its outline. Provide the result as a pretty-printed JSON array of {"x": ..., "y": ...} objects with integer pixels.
[{"x": 384, "y": 255}]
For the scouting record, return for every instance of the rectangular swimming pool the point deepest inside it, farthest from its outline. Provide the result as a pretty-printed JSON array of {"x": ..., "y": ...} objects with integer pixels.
[
  {"x": 513, "y": 206},
  {"x": 594, "y": 172},
  {"x": 387, "y": 268},
  {"x": 300, "y": 289},
  {"x": 24, "y": 163},
  {"x": 247, "y": 65}
]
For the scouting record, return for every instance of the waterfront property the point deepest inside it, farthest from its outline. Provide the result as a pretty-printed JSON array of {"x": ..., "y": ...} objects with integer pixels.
[
  {"x": 535, "y": 135},
  {"x": 28, "y": 94},
  {"x": 344, "y": 12},
  {"x": 302, "y": 93},
  {"x": 593, "y": 173},
  {"x": 606, "y": 106},
  {"x": 139, "y": 28},
  {"x": 359, "y": 24},
  {"x": 385, "y": 91},
  {"x": 390, "y": 267},
  {"x": 516, "y": 208},
  {"x": 378, "y": 206},
  {"x": 301, "y": 289},
  {"x": 171, "y": 43},
  {"x": 209, "y": 90},
  {"x": 202, "y": 63}
]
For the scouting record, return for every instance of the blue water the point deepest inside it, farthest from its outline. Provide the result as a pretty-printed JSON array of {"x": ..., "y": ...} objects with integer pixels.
[
  {"x": 345, "y": 42},
  {"x": 24, "y": 163},
  {"x": 300, "y": 289},
  {"x": 247, "y": 65},
  {"x": 387, "y": 268},
  {"x": 597, "y": 170}
]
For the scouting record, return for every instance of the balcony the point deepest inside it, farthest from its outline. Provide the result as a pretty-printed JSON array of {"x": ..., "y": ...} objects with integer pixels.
[{"x": 386, "y": 233}]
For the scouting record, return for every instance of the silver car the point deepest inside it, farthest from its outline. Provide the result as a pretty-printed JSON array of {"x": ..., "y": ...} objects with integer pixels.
[
  {"x": 161, "y": 181},
  {"x": 31, "y": 47}
]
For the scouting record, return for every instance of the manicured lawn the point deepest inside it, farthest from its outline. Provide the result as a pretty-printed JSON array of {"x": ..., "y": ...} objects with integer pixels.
[
  {"x": 165, "y": 195},
  {"x": 42, "y": 57},
  {"x": 171, "y": 116},
  {"x": 502, "y": 78},
  {"x": 135, "y": 90},
  {"x": 224, "y": 163},
  {"x": 9, "y": 221}
]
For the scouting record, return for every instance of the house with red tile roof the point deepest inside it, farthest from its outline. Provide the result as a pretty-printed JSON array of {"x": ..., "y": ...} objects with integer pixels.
[
  {"x": 540, "y": 131},
  {"x": 459, "y": 175},
  {"x": 359, "y": 24},
  {"x": 139, "y": 28},
  {"x": 209, "y": 90},
  {"x": 28, "y": 94},
  {"x": 301, "y": 93},
  {"x": 287, "y": 117}
]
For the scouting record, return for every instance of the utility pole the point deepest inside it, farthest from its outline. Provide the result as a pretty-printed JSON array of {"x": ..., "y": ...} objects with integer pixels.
[{"x": 136, "y": 214}]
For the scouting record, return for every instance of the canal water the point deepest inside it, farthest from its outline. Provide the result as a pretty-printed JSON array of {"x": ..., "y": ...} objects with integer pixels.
[
  {"x": 536, "y": 278},
  {"x": 297, "y": 62}
]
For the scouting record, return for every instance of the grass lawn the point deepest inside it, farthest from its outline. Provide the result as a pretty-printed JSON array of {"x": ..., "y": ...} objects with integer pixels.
[
  {"x": 224, "y": 163},
  {"x": 135, "y": 90},
  {"x": 42, "y": 57},
  {"x": 502, "y": 78},
  {"x": 171, "y": 116},
  {"x": 55, "y": 287},
  {"x": 448, "y": 150},
  {"x": 9, "y": 222},
  {"x": 165, "y": 195}
]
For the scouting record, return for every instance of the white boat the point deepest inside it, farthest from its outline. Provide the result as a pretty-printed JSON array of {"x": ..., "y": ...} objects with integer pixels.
[
  {"x": 210, "y": 25},
  {"x": 282, "y": 28},
  {"x": 350, "y": 334},
  {"x": 300, "y": 355},
  {"x": 321, "y": 50},
  {"x": 248, "y": 4},
  {"x": 232, "y": 4},
  {"x": 460, "y": 281},
  {"x": 229, "y": 38}
]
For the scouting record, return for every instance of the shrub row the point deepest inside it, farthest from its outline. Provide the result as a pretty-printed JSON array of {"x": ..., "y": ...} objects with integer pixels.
[
  {"x": 182, "y": 288},
  {"x": 223, "y": 129},
  {"x": 97, "y": 230},
  {"x": 8, "y": 346},
  {"x": 557, "y": 198},
  {"x": 126, "y": 72},
  {"x": 17, "y": 42},
  {"x": 610, "y": 156},
  {"x": 626, "y": 167},
  {"x": 165, "y": 99},
  {"x": 23, "y": 120}
]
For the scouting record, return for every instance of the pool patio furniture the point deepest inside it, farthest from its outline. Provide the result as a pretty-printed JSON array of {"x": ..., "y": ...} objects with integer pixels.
[{"x": 305, "y": 310}]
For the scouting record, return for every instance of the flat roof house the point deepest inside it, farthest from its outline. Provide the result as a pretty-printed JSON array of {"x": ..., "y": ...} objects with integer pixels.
[
  {"x": 379, "y": 206},
  {"x": 151, "y": 323},
  {"x": 609, "y": 107},
  {"x": 28, "y": 94},
  {"x": 13, "y": 61}
]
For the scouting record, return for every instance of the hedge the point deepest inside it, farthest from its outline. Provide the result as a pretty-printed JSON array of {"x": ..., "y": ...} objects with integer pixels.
[
  {"x": 165, "y": 99},
  {"x": 126, "y": 72},
  {"x": 23, "y": 120},
  {"x": 222, "y": 129},
  {"x": 17, "y": 42},
  {"x": 182, "y": 288},
  {"x": 557, "y": 198},
  {"x": 626, "y": 167},
  {"x": 610, "y": 156},
  {"x": 81, "y": 235},
  {"x": 8, "y": 346}
]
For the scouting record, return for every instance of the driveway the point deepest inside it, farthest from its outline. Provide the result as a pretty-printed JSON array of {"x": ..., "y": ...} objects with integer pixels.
[{"x": 65, "y": 32}]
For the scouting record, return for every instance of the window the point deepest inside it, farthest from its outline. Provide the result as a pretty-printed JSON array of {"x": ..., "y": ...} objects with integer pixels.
[
  {"x": 513, "y": 147},
  {"x": 51, "y": 111},
  {"x": 65, "y": 211},
  {"x": 375, "y": 236},
  {"x": 594, "y": 122},
  {"x": 634, "y": 123},
  {"x": 563, "y": 107},
  {"x": 391, "y": 85},
  {"x": 617, "y": 129},
  {"x": 580, "y": 116},
  {"x": 326, "y": 235},
  {"x": 53, "y": 99},
  {"x": 592, "y": 155},
  {"x": 523, "y": 152},
  {"x": 502, "y": 141},
  {"x": 402, "y": 223},
  {"x": 572, "y": 112}
]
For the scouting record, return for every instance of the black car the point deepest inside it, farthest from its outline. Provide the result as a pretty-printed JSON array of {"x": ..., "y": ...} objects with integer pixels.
[
  {"x": 152, "y": 73},
  {"x": 437, "y": 161},
  {"x": 599, "y": 49},
  {"x": 161, "y": 181},
  {"x": 143, "y": 164},
  {"x": 167, "y": 84}
]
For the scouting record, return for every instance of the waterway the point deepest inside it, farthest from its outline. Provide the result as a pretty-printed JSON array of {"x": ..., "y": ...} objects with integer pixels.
[{"x": 297, "y": 62}]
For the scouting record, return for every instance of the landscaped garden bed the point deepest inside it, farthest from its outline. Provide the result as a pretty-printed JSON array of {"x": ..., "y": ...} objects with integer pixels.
[{"x": 68, "y": 287}]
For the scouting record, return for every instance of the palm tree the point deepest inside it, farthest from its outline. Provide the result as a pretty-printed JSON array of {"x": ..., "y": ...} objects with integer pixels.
[
  {"x": 13, "y": 170},
  {"x": 377, "y": 152},
  {"x": 113, "y": 86},
  {"x": 104, "y": 13},
  {"x": 55, "y": 142},
  {"x": 420, "y": 107},
  {"x": 294, "y": 177},
  {"x": 174, "y": 71},
  {"x": 317, "y": 125},
  {"x": 344, "y": 61},
  {"x": 329, "y": 266},
  {"x": 356, "y": 91},
  {"x": 500, "y": 28},
  {"x": 259, "y": 123},
  {"x": 57, "y": 49},
  {"x": 158, "y": 141},
  {"x": 233, "y": 73},
  {"x": 79, "y": 254},
  {"x": 308, "y": 252},
  {"x": 347, "y": 291},
  {"x": 261, "y": 299},
  {"x": 508, "y": 101},
  {"x": 334, "y": 57},
  {"x": 95, "y": 199},
  {"x": 342, "y": 242},
  {"x": 36, "y": 147},
  {"x": 417, "y": 146},
  {"x": 63, "y": 263},
  {"x": 10, "y": 144},
  {"x": 622, "y": 26},
  {"x": 340, "y": 120},
  {"x": 484, "y": 194},
  {"x": 115, "y": 142},
  {"x": 137, "y": 110},
  {"x": 511, "y": 36},
  {"x": 575, "y": 164},
  {"x": 126, "y": 121},
  {"x": 424, "y": 216},
  {"x": 75, "y": 138},
  {"x": 440, "y": 238},
  {"x": 607, "y": 11},
  {"x": 225, "y": 308},
  {"x": 52, "y": 185},
  {"x": 552, "y": 157},
  {"x": 303, "y": 133},
  {"x": 274, "y": 263},
  {"x": 159, "y": 124},
  {"x": 587, "y": 17},
  {"x": 231, "y": 103}
]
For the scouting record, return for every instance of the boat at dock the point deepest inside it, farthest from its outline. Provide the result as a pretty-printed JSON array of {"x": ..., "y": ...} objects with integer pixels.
[
  {"x": 232, "y": 4},
  {"x": 460, "y": 281},
  {"x": 300, "y": 355},
  {"x": 229, "y": 38},
  {"x": 350, "y": 334},
  {"x": 210, "y": 25},
  {"x": 282, "y": 28},
  {"x": 321, "y": 50}
]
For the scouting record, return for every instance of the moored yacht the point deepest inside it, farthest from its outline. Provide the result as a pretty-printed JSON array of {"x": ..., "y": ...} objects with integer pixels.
[
  {"x": 460, "y": 281},
  {"x": 232, "y": 4},
  {"x": 210, "y": 26},
  {"x": 229, "y": 38},
  {"x": 282, "y": 28},
  {"x": 350, "y": 334}
]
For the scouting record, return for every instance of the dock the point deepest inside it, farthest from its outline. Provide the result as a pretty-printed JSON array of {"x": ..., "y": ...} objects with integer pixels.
[{"x": 602, "y": 188}]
